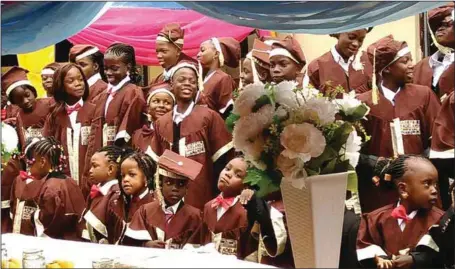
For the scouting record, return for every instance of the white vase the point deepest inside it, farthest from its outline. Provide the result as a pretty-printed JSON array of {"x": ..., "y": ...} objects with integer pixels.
[{"x": 314, "y": 217}]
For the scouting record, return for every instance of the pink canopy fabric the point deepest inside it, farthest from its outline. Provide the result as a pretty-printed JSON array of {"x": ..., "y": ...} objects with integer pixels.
[{"x": 139, "y": 26}]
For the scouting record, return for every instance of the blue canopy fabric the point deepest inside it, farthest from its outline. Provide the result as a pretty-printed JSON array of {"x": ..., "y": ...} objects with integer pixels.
[{"x": 309, "y": 16}]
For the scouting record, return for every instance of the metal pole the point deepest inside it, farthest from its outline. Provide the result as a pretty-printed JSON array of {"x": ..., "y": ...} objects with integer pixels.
[{"x": 426, "y": 45}]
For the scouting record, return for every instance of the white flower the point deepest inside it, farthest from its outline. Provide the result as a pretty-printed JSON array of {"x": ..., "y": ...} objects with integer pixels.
[
  {"x": 306, "y": 94},
  {"x": 247, "y": 99},
  {"x": 349, "y": 103},
  {"x": 302, "y": 141},
  {"x": 10, "y": 139},
  {"x": 350, "y": 151},
  {"x": 325, "y": 109},
  {"x": 286, "y": 85},
  {"x": 281, "y": 112},
  {"x": 357, "y": 65},
  {"x": 285, "y": 95}
]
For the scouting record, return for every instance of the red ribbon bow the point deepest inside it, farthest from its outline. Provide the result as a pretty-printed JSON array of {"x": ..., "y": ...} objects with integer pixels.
[
  {"x": 400, "y": 213},
  {"x": 168, "y": 215},
  {"x": 24, "y": 175},
  {"x": 224, "y": 202},
  {"x": 94, "y": 191},
  {"x": 70, "y": 110},
  {"x": 3, "y": 114}
]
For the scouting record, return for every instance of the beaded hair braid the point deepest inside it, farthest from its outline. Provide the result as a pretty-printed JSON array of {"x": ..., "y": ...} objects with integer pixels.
[{"x": 47, "y": 147}]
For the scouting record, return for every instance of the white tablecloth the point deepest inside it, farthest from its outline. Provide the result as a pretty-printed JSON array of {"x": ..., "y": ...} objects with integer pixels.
[{"x": 82, "y": 254}]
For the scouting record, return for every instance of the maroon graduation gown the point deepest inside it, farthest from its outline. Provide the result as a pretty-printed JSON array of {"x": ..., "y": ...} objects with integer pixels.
[
  {"x": 60, "y": 130},
  {"x": 380, "y": 229},
  {"x": 117, "y": 218},
  {"x": 185, "y": 222},
  {"x": 202, "y": 136},
  {"x": 60, "y": 205},
  {"x": 142, "y": 138},
  {"x": 96, "y": 89},
  {"x": 24, "y": 202},
  {"x": 11, "y": 114},
  {"x": 95, "y": 216},
  {"x": 9, "y": 173},
  {"x": 217, "y": 91},
  {"x": 160, "y": 78},
  {"x": 423, "y": 75},
  {"x": 443, "y": 128},
  {"x": 416, "y": 106},
  {"x": 325, "y": 69}
]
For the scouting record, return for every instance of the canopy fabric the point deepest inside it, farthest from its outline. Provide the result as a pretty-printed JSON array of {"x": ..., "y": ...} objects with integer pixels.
[
  {"x": 138, "y": 23},
  {"x": 30, "y": 26},
  {"x": 310, "y": 16}
]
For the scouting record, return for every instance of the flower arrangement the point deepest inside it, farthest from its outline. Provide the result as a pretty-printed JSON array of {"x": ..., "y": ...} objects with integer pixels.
[
  {"x": 10, "y": 141},
  {"x": 291, "y": 133}
]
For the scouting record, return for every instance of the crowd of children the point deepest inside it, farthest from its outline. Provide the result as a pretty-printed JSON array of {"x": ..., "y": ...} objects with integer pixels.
[{"x": 106, "y": 161}]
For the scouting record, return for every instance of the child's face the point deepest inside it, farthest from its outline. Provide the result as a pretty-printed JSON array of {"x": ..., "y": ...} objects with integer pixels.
[
  {"x": 116, "y": 70},
  {"x": 133, "y": 179},
  {"x": 444, "y": 34},
  {"x": 173, "y": 189},
  {"x": 402, "y": 70},
  {"x": 283, "y": 68},
  {"x": 230, "y": 182},
  {"x": 23, "y": 97},
  {"x": 88, "y": 66},
  {"x": 247, "y": 73},
  {"x": 184, "y": 84},
  {"x": 160, "y": 104},
  {"x": 207, "y": 53},
  {"x": 40, "y": 166},
  {"x": 420, "y": 183},
  {"x": 47, "y": 84},
  {"x": 167, "y": 54},
  {"x": 349, "y": 43},
  {"x": 101, "y": 170},
  {"x": 74, "y": 83}
]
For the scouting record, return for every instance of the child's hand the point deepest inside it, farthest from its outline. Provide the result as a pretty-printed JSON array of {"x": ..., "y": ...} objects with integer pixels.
[
  {"x": 403, "y": 261},
  {"x": 383, "y": 263},
  {"x": 245, "y": 196},
  {"x": 155, "y": 244}
]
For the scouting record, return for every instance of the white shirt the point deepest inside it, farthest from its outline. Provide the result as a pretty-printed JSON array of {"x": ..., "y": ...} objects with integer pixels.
[
  {"x": 401, "y": 222},
  {"x": 439, "y": 67},
  {"x": 93, "y": 79},
  {"x": 389, "y": 94},
  {"x": 143, "y": 194},
  {"x": 220, "y": 210},
  {"x": 73, "y": 115},
  {"x": 338, "y": 59},
  {"x": 114, "y": 89},
  {"x": 178, "y": 117},
  {"x": 107, "y": 186},
  {"x": 172, "y": 209}
]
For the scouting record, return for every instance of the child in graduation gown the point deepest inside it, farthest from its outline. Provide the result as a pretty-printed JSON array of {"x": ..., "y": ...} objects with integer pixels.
[
  {"x": 225, "y": 221},
  {"x": 256, "y": 65},
  {"x": 195, "y": 132},
  {"x": 160, "y": 100},
  {"x": 167, "y": 222},
  {"x": 169, "y": 46},
  {"x": 344, "y": 65},
  {"x": 91, "y": 60},
  {"x": 394, "y": 96},
  {"x": 388, "y": 236},
  {"x": 103, "y": 173},
  {"x": 32, "y": 112},
  {"x": 437, "y": 70},
  {"x": 218, "y": 86},
  {"x": 9, "y": 111},
  {"x": 287, "y": 61},
  {"x": 60, "y": 200},
  {"x": 119, "y": 109},
  {"x": 71, "y": 119},
  {"x": 137, "y": 171},
  {"x": 47, "y": 77}
]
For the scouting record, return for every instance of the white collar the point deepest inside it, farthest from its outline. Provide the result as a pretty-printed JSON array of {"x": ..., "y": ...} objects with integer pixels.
[
  {"x": 120, "y": 85},
  {"x": 174, "y": 207},
  {"x": 389, "y": 94},
  {"x": 410, "y": 216},
  {"x": 177, "y": 117},
  {"x": 143, "y": 194},
  {"x": 80, "y": 102},
  {"x": 93, "y": 79},
  {"x": 107, "y": 186},
  {"x": 337, "y": 57},
  {"x": 209, "y": 75},
  {"x": 448, "y": 58}
]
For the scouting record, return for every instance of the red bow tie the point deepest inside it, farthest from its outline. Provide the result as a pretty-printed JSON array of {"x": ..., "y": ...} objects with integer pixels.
[
  {"x": 70, "y": 110},
  {"x": 24, "y": 175},
  {"x": 223, "y": 202},
  {"x": 400, "y": 213},
  {"x": 168, "y": 214},
  {"x": 3, "y": 114},
  {"x": 95, "y": 191},
  {"x": 111, "y": 92}
]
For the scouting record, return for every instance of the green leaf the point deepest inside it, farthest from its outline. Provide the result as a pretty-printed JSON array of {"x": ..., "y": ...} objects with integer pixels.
[
  {"x": 260, "y": 102},
  {"x": 330, "y": 167},
  {"x": 342, "y": 166},
  {"x": 352, "y": 182},
  {"x": 340, "y": 136},
  {"x": 265, "y": 181},
  {"x": 230, "y": 121},
  {"x": 312, "y": 172},
  {"x": 315, "y": 164},
  {"x": 359, "y": 112}
]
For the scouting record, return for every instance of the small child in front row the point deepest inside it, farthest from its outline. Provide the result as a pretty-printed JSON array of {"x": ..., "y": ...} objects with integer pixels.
[
  {"x": 60, "y": 200},
  {"x": 137, "y": 170},
  {"x": 225, "y": 221},
  {"x": 388, "y": 236},
  {"x": 168, "y": 222},
  {"x": 104, "y": 173}
]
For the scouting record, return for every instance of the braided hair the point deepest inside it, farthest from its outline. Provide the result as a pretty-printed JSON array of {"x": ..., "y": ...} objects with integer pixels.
[
  {"x": 98, "y": 58},
  {"x": 49, "y": 148},
  {"x": 390, "y": 171},
  {"x": 128, "y": 56}
]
